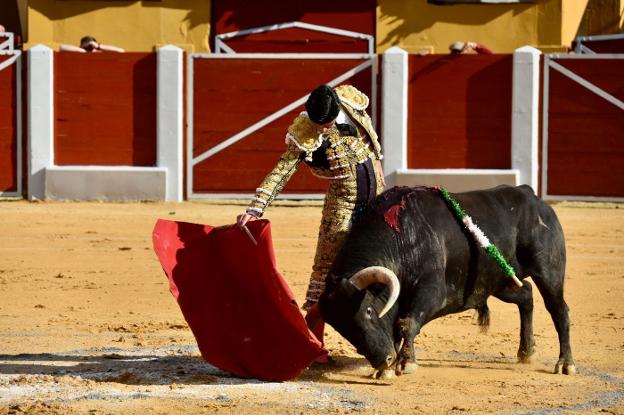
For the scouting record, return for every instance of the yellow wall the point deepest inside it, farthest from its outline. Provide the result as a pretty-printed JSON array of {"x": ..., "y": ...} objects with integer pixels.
[
  {"x": 572, "y": 14},
  {"x": 415, "y": 24},
  {"x": 132, "y": 25},
  {"x": 602, "y": 17},
  {"x": 550, "y": 25}
]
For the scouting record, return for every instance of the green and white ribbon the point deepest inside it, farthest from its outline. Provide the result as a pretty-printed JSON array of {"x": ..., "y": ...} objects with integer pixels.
[{"x": 480, "y": 237}]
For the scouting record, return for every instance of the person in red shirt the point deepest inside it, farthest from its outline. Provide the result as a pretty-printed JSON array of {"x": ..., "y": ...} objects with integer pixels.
[{"x": 459, "y": 48}]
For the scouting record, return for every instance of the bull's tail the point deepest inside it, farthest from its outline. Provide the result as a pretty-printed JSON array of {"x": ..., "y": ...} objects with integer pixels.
[{"x": 483, "y": 318}]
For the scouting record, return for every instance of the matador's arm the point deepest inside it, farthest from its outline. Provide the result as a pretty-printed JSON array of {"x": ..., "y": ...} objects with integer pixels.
[{"x": 275, "y": 181}]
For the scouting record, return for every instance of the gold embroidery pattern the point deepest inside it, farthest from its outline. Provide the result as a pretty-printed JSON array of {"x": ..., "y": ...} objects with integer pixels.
[
  {"x": 302, "y": 133},
  {"x": 352, "y": 96},
  {"x": 354, "y": 102}
]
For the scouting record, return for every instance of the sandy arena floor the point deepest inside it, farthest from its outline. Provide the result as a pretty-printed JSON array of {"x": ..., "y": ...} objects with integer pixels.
[{"x": 88, "y": 326}]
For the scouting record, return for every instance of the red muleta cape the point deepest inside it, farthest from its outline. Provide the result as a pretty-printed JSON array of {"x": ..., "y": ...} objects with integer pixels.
[{"x": 243, "y": 314}]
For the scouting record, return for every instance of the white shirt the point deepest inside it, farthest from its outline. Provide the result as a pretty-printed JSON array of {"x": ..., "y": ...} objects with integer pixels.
[{"x": 343, "y": 118}]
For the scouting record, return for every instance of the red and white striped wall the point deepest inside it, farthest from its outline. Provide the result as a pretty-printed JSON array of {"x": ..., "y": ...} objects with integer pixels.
[
  {"x": 105, "y": 126},
  {"x": 111, "y": 126},
  {"x": 461, "y": 122}
]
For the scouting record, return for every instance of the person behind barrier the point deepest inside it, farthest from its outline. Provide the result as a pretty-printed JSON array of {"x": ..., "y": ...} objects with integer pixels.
[
  {"x": 460, "y": 48},
  {"x": 17, "y": 42},
  {"x": 335, "y": 138},
  {"x": 89, "y": 44}
]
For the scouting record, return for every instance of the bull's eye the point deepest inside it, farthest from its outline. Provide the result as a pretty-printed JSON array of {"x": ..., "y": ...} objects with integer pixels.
[{"x": 369, "y": 312}]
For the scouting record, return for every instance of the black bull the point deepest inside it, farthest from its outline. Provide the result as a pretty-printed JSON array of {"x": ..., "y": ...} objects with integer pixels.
[{"x": 409, "y": 260}]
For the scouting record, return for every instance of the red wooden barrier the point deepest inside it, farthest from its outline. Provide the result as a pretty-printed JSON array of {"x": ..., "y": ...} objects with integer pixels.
[
  {"x": 230, "y": 95},
  {"x": 105, "y": 109},
  {"x": 8, "y": 128},
  {"x": 585, "y": 132},
  {"x": 459, "y": 111}
]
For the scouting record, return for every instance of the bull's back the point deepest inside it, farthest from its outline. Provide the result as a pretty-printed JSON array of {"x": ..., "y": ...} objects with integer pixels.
[
  {"x": 512, "y": 218},
  {"x": 428, "y": 240}
]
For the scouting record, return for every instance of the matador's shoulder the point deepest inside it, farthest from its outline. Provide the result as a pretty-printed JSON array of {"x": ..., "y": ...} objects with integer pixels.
[
  {"x": 352, "y": 97},
  {"x": 302, "y": 133}
]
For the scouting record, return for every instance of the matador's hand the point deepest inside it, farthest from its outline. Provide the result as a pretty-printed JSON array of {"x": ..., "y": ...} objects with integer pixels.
[
  {"x": 381, "y": 172},
  {"x": 241, "y": 220}
]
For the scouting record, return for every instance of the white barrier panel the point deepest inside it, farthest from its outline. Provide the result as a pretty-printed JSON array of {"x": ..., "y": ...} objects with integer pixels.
[
  {"x": 169, "y": 118},
  {"x": 394, "y": 111},
  {"x": 105, "y": 183},
  {"x": 525, "y": 115},
  {"x": 40, "y": 118}
]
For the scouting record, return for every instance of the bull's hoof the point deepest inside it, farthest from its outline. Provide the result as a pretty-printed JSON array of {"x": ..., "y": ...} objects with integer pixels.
[
  {"x": 382, "y": 374},
  {"x": 407, "y": 368},
  {"x": 410, "y": 367},
  {"x": 525, "y": 353},
  {"x": 524, "y": 356},
  {"x": 563, "y": 368}
]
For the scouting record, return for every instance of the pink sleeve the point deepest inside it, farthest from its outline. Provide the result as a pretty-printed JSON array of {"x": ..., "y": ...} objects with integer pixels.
[{"x": 482, "y": 50}]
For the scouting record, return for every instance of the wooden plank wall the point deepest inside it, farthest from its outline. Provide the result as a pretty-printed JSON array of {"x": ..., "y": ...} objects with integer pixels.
[
  {"x": 105, "y": 109},
  {"x": 586, "y": 132},
  {"x": 232, "y": 94},
  {"x": 8, "y": 128},
  {"x": 459, "y": 111}
]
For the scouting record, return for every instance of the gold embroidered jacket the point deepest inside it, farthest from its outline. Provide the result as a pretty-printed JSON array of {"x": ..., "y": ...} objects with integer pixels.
[{"x": 342, "y": 152}]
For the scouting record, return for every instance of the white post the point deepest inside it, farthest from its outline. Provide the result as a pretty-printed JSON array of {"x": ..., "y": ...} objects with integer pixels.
[
  {"x": 394, "y": 112},
  {"x": 525, "y": 115},
  {"x": 40, "y": 118},
  {"x": 169, "y": 118}
]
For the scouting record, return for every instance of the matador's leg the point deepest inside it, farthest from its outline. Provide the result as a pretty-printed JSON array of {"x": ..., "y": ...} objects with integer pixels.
[{"x": 335, "y": 222}]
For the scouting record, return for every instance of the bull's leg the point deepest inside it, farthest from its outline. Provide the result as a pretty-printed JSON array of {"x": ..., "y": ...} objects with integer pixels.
[
  {"x": 429, "y": 298},
  {"x": 406, "y": 357},
  {"x": 405, "y": 362},
  {"x": 545, "y": 259},
  {"x": 523, "y": 298},
  {"x": 552, "y": 291}
]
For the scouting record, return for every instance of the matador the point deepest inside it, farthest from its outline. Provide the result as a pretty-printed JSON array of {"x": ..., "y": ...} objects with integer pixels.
[{"x": 335, "y": 138}]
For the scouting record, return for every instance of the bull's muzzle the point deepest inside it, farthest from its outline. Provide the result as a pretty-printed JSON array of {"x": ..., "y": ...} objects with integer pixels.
[{"x": 381, "y": 370}]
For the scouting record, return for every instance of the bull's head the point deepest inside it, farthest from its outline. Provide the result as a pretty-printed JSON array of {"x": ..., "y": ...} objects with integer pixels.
[{"x": 357, "y": 308}]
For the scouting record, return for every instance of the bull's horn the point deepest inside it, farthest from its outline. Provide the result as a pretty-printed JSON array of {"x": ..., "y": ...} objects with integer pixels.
[{"x": 382, "y": 275}]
